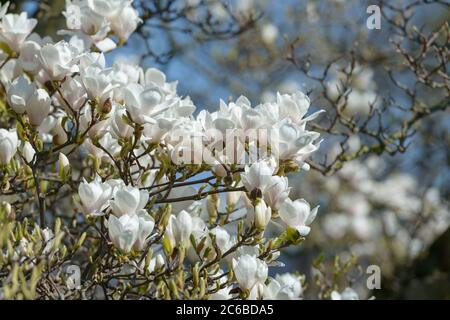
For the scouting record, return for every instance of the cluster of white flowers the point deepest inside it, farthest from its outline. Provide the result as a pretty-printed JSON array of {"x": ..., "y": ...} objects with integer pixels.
[{"x": 64, "y": 98}]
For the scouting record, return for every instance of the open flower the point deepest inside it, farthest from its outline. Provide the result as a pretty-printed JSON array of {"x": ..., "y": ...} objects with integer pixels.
[
  {"x": 142, "y": 103},
  {"x": 277, "y": 191},
  {"x": 146, "y": 225},
  {"x": 15, "y": 28},
  {"x": 58, "y": 60},
  {"x": 298, "y": 215},
  {"x": 94, "y": 195},
  {"x": 128, "y": 200},
  {"x": 257, "y": 176},
  {"x": 123, "y": 231},
  {"x": 249, "y": 271}
]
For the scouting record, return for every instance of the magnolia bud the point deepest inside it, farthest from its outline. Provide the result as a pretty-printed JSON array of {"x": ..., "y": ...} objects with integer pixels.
[
  {"x": 28, "y": 152},
  {"x": 9, "y": 211},
  {"x": 63, "y": 161},
  {"x": 160, "y": 262},
  {"x": 212, "y": 205},
  {"x": 262, "y": 215}
]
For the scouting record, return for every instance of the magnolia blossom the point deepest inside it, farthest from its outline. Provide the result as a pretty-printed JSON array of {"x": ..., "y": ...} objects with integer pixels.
[
  {"x": 146, "y": 225},
  {"x": 128, "y": 200},
  {"x": 23, "y": 96},
  {"x": 249, "y": 271},
  {"x": 15, "y": 28},
  {"x": 284, "y": 287},
  {"x": 277, "y": 191},
  {"x": 94, "y": 195},
  {"x": 8, "y": 145},
  {"x": 257, "y": 176},
  {"x": 142, "y": 103},
  {"x": 96, "y": 19},
  {"x": 124, "y": 231},
  {"x": 124, "y": 24},
  {"x": 58, "y": 60},
  {"x": 180, "y": 227},
  {"x": 298, "y": 215}
]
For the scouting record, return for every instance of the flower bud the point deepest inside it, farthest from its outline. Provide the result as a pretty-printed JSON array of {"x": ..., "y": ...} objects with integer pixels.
[
  {"x": 212, "y": 206},
  {"x": 63, "y": 161},
  {"x": 262, "y": 215}
]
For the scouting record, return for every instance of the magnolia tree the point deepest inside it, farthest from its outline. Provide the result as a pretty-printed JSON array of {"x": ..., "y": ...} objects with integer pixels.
[{"x": 111, "y": 188}]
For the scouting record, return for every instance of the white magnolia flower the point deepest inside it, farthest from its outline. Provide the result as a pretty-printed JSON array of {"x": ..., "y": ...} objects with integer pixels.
[
  {"x": 128, "y": 200},
  {"x": 119, "y": 128},
  {"x": 180, "y": 227},
  {"x": 142, "y": 104},
  {"x": 249, "y": 271},
  {"x": 223, "y": 239},
  {"x": 257, "y": 176},
  {"x": 74, "y": 93},
  {"x": 58, "y": 60},
  {"x": 29, "y": 52},
  {"x": 15, "y": 28},
  {"x": 284, "y": 287},
  {"x": 38, "y": 106},
  {"x": 347, "y": 294},
  {"x": 277, "y": 191},
  {"x": 146, "y": 225},
  {"x": 298, "y": 214},
  {"x": 157, "y": 131},
  {"x": 123, "y": 231},
  {"x": 125, "y": 22},
  {"x": 97, "y": 83},
  {"x": 94, "y": 195},
  {"x": 8, "y": 145},
  {"x": 291, "y": 141},
  {"x": 293, "y": 106},
  {"x": 19, "y": 93}
]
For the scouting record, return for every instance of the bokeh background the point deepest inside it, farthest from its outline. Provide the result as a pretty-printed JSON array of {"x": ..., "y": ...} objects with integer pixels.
[{"x": 382, "y": 175}]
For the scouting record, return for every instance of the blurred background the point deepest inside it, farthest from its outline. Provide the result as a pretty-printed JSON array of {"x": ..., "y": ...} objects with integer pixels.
[{"x": 382, "y": 176}]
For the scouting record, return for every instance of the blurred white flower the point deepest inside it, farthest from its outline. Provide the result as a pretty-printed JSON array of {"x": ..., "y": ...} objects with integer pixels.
[{"x": 286, "y": 286}]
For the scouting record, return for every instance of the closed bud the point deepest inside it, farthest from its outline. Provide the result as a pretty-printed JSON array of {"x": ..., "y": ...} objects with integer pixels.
[
  {"x": 212, "y": 206},
  {"x": 262, "y": 215}
]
